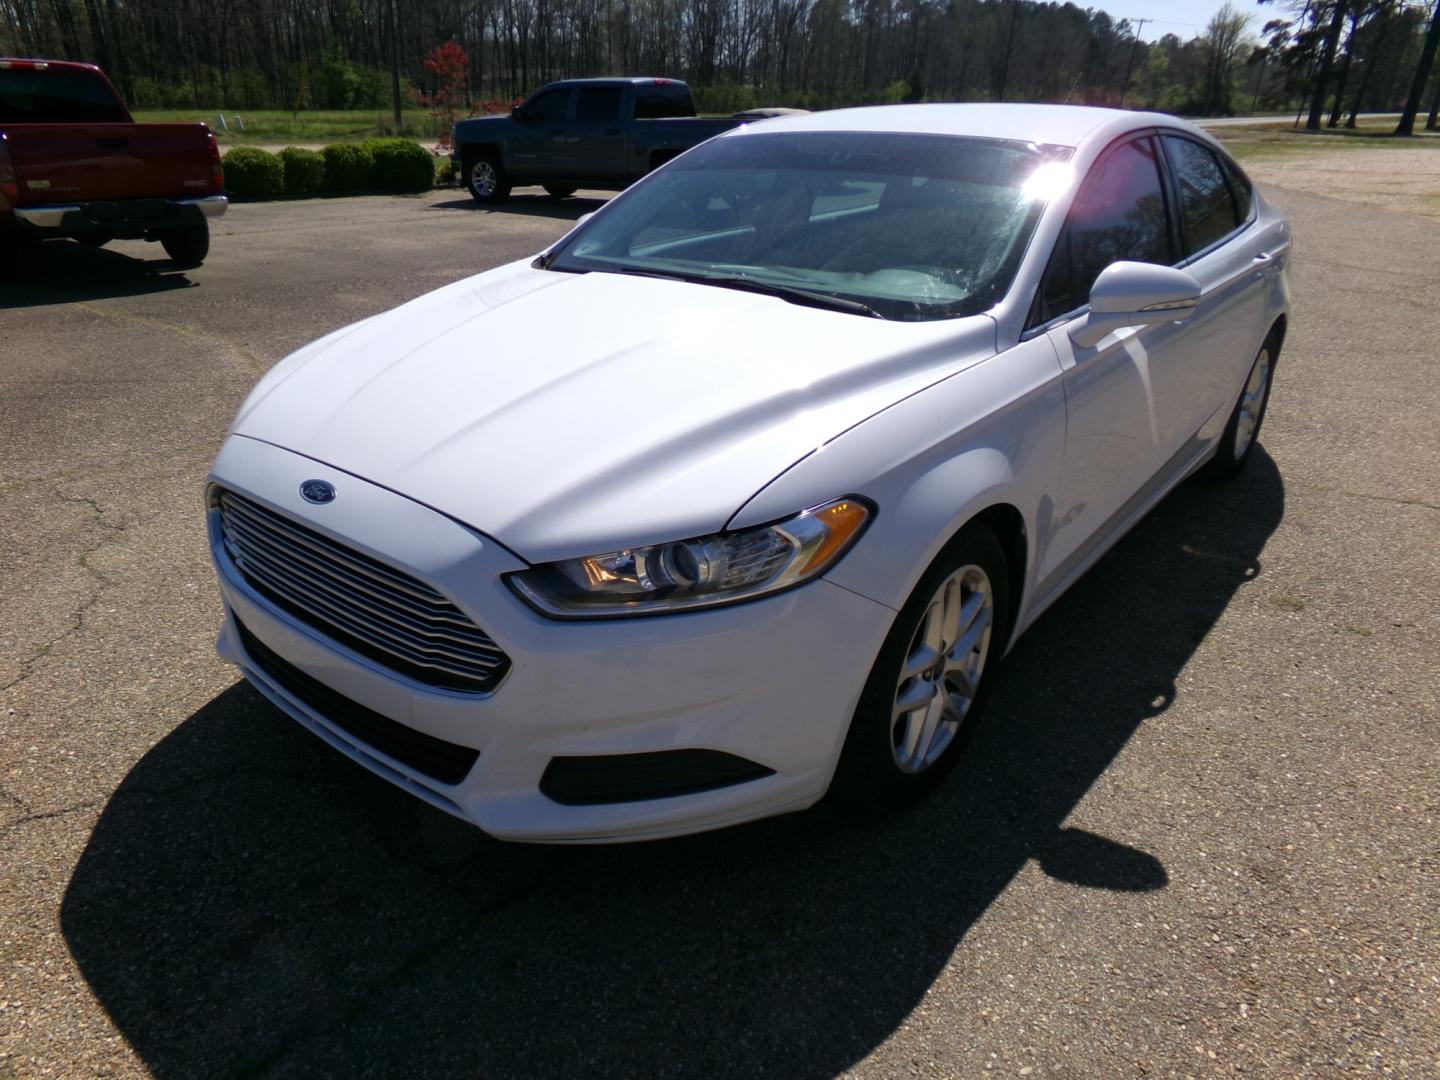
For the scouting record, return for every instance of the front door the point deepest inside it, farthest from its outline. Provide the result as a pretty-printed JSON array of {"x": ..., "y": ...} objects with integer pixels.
[{"x": 1126, "y": 409}]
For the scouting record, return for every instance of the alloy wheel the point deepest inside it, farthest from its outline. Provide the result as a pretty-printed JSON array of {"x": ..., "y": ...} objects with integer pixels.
[
  {"x": 941, "y": 672},
  {"x": 1252, "y": 403}
]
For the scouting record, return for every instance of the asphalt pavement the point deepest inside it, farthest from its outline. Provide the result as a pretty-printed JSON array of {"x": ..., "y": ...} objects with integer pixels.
[{"x": 1198, "y": 835}]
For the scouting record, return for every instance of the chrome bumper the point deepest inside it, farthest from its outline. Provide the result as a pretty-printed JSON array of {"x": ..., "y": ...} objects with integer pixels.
[{"x": 52, "y": 217}]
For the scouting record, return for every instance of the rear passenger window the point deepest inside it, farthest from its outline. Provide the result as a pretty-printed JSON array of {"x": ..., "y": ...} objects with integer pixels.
[
  {"x": 1239, "y": 187},
  {"x": 1118, "y": 215},
  {"x": 598, "y": 104},
  {"x": 1205, "y": 203}
]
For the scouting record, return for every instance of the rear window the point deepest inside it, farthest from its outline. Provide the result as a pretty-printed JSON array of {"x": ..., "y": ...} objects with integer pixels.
[
  {"x": 57, "y": 96},
  {"x": 657, "y": 101}
]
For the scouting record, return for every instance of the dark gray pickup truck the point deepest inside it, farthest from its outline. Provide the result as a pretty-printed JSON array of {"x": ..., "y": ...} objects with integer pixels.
[{"x": 592, "y": 133}]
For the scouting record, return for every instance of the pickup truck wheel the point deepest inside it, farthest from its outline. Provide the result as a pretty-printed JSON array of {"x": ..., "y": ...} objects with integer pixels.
[
  {"x": 486, "y": 178},
  {"x": 557, "y": 191},
  {"x": 187, "y": 246}
]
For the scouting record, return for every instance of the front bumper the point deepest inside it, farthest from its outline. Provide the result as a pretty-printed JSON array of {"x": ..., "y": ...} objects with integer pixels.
[
  {"x": 773, "y": 682},
  {"x": 123, "y": 217}
]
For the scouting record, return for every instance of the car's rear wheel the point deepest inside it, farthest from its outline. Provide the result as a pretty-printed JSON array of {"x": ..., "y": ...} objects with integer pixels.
[
  {"x": 559, "y": 191},
  {"x": 919, "y": 706},
  {"x": 187, "y": 246},
  {"x": 1243, "y": 430},
  {"x": 486, "y": 178}
]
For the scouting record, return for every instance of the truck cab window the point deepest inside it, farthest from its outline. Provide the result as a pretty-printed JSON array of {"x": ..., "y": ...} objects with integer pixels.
[
  {"x": 598, "y": 104},
  {"x": 549, "y": 106}
]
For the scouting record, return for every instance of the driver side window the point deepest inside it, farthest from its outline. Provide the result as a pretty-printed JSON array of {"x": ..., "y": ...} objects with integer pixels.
[
  {"x": 1119, "y": 214},
  {"x": 549, "y": 107}
]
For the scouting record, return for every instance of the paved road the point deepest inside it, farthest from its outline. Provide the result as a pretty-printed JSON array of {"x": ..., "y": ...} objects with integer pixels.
[{"x": 1199, "y": 834}]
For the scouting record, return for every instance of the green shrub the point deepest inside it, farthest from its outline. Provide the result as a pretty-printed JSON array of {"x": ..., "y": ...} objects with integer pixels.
[
  {"x": 252, "y": 173},
  {"x": 304, "y": 171},
  {"x": 444, "y": 172},
  {"x": 400, "y": 165},
  {"x": 347, "y": 166}
]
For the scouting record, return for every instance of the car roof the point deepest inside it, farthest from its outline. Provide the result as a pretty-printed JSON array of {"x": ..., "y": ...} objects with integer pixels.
[{"x": 1057, "y": 125}]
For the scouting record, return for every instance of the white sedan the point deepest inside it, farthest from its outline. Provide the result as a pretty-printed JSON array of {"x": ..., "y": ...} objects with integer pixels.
[{"x": 740, "y": 491}]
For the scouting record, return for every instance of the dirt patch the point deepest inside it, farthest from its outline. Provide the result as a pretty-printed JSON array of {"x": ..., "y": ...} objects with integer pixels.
[{"x": 1401, "y": 178}]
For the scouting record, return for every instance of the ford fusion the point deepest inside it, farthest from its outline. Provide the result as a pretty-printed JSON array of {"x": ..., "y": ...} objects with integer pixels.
[{"x": 739, "y": 491}]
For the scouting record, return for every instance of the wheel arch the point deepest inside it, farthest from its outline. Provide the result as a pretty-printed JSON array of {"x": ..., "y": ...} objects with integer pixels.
[{"x": 1277, "y": 330}]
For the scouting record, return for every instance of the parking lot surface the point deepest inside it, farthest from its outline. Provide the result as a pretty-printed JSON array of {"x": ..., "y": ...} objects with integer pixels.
[{"x": 1199, "y": 834}]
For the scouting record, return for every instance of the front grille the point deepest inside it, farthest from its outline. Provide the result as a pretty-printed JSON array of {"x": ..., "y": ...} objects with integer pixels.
[
  {"x": 436, "y": 758},
  {"x": 376, "y": 610}
]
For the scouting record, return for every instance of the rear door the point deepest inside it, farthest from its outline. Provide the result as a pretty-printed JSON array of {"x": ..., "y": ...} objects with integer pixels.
[
  {"x": 596, "y": 136},
  {"x": 1227, "y": 259}
]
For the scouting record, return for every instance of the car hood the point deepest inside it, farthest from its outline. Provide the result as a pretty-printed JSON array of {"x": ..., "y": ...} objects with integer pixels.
[{"x": 566, "y": 414}]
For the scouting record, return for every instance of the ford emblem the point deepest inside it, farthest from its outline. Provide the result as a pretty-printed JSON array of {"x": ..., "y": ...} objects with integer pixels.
[{"x": 317, "y": 491}]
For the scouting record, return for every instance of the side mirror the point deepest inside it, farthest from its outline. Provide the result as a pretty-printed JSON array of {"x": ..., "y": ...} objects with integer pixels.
[
  {"x": 1135, "y": 294},
  {"x": 518, "y": 113},
  {"x": 584, "y": 218}
]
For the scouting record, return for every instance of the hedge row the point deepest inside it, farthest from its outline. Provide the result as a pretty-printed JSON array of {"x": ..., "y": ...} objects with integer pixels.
[{"x": 372, "y": 165}]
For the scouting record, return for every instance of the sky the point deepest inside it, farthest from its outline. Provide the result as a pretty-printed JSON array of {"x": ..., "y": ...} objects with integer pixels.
[{"x": 1185, "y": 18}]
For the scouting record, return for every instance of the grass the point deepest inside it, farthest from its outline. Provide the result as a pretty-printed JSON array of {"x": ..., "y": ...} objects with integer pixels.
[
  {"x": 279, "y": 127},
  {"x": 1277, "y": 138}
]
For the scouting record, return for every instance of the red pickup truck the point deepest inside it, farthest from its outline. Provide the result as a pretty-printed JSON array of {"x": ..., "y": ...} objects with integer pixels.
[{"x": 73, "y": 163}]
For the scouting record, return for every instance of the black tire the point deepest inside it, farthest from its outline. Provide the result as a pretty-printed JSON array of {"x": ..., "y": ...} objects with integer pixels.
[
  {"x": 94, "y": 240},
  {"x": 559, "y": 191},
  {"x": 187, "y": 246},
  {"x": 869, "y": 772},
  {"x": 487, "y": 179},
  {"x": 1237, "y": 444}
]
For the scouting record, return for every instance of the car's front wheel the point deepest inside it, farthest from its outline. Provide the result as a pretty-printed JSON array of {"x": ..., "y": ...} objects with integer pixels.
[
  {"x": 486, "y": 178},
  {"x": 1238, "y": 441},
  {"x": 919, "y": 706}
]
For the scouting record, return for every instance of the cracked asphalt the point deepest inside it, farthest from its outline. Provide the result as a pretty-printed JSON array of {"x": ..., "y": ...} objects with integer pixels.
[{"x": 1197, "y": 836}]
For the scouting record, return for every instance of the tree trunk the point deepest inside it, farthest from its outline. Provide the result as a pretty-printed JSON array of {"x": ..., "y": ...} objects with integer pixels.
[
  {"x": 1327, "y": 61},
  {"x": 1432, "y": 122},
  {"x": 1422, "y": 74},
  {"x": 1338, "y": 108}
]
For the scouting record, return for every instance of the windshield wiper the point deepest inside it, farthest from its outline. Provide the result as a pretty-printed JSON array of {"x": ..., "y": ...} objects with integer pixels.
[{"x": 745, "y": 283}]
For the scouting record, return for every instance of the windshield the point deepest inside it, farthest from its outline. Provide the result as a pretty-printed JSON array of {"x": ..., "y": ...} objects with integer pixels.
[{"x": 909, "y": 226}]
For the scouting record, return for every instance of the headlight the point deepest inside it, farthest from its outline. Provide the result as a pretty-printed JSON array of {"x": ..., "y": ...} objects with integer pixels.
[{"x": 687, "y": 574}]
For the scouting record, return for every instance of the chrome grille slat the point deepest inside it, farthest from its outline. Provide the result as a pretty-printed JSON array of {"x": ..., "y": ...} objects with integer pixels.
[
  {"x": 323, "y": 545},
  {"x": 377, "y": 610},
  {"x": 318, "y": 605},
  {"x": 346, "y": 580}
]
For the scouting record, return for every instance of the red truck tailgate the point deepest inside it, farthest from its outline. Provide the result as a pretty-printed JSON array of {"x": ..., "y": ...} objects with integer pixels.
[{"x": 94, "y": 162}]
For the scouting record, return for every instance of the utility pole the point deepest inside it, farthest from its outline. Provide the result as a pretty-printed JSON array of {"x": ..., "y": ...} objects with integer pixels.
[
  {"x": 395, "y": 66},
  {"x": 1130, "y": 64}
]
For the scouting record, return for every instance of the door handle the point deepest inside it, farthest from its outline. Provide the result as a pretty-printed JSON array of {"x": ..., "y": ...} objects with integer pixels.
[
  {"x": 1263, "y": 258},
  {"x": 612, "y": 131},
  {"x": 557, "y": 131},
  {"x": 112, "y": 144}
]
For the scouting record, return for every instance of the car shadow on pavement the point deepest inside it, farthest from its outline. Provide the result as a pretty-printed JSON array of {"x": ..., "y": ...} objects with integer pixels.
[
  {"x": 526, "y": 205},
  {"x": 63, "y": 271},
  {"x": 250, "y": 903}
]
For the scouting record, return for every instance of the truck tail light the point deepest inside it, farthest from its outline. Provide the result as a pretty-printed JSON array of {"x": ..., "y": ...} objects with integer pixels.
[{"x": 217, "y": 171}]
